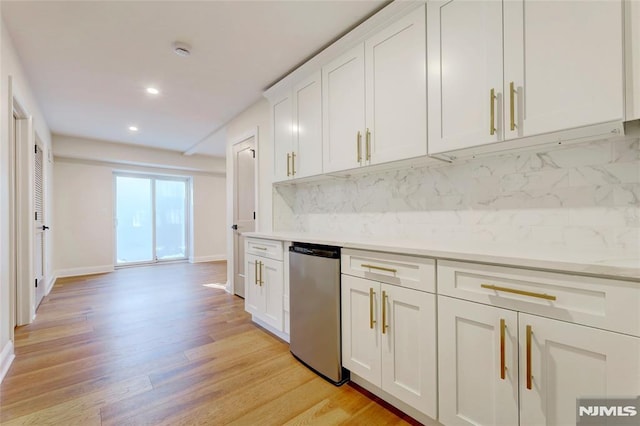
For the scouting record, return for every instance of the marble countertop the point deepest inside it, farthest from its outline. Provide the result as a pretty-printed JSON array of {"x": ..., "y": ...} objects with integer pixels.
[{"x": 590, "y": 263}]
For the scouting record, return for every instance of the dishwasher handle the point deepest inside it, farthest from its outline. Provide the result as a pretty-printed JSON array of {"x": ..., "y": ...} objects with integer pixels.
[{"x": 317, "y": 250}]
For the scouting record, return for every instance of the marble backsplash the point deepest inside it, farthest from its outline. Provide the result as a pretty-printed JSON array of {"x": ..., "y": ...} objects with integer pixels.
[{"x": 574, "y": 198}]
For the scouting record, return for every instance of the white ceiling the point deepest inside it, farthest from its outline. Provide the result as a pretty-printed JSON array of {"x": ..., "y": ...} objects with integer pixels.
[{"x": 89, "y": 62}]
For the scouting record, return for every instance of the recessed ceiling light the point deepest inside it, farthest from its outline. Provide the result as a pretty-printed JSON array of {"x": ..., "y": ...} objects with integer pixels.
[
  {"x": 152, "y": 91},
  {"x": 133, "y": 128}
]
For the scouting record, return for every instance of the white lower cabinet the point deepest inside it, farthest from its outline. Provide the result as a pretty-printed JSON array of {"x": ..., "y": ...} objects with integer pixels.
[
  {"x": 569, "y": 361},
  {"x": 388, "y": 339},
  {"x": 490, "y": 358},
  {"x": 471, "y": 353},
  {"x": 264, "y": 288}
]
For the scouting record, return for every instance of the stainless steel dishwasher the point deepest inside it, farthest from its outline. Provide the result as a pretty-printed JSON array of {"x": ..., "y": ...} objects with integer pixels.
[{"x": 314, "y": 298}]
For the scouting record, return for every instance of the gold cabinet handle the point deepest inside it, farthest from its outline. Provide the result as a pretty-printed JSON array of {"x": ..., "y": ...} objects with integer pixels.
[
  {"x": 492, "y": 128},
  {"x": 255, "y": 274},
  {"x": 359, "y": 146},
  {"x": 380, "y": 268},
  {"x": 503, "y": 367},
  {"x": 529, "y": 375},
  {"x": 512, "y": 107},
  {"x": 259, "y": 248},
  {"x": 371, "y": 296},
  {"x": 288, "y": 167},
  {"x": 520, "y": 292},
  {"x": 293, "y": 164},
  {"x": 368, "y": 145},
  {"x": 384, "y": 312},
  {"x": 260, "y": 279}
]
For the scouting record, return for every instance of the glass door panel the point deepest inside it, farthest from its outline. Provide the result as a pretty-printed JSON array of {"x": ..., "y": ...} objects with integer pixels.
[
  {"x": 134, "y": 219},
  {"x": 171, "y": 211}
]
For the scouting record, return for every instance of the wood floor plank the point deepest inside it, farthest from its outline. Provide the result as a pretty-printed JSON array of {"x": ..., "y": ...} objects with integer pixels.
[
  {"x": 279, "y": 411},
  {"x": 60, "y": 414},
  {"x": 152, "y": 346}
]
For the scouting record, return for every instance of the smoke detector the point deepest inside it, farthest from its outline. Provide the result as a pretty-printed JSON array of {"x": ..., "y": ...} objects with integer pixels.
[{"x": 181, "y": 49}]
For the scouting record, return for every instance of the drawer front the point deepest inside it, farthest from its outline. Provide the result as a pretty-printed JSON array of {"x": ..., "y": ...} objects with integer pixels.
[
  {"x": 406, "y": 271},
  {"x": 265, "y": 248},
  {"x": 603, "y": 303}
]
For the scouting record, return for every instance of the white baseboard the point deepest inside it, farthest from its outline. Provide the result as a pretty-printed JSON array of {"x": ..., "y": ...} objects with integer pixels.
[
  {"x": 6, "y": 358},
  {"x": 270, "y": 329},
  {"x": 402, "y": 406},
  {"x": 214, "y": 258},
  {"x": 87, "y": 270},
  {"x": 50, "y": 282}
]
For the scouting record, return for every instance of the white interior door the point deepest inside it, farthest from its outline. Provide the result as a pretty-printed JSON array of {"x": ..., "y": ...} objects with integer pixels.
[
  {"x": 40, "y": 227},
  {"x": 244, "y": 206}
]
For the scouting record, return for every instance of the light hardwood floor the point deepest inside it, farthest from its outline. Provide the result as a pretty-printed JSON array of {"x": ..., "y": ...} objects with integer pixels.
[{"x": 152, "y": 346}]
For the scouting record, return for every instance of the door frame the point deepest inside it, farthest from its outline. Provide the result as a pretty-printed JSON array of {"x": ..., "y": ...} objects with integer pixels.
[
  {"x": 42, "y": 282},
  {"x": 253, "y": 133},
  {"x": 21, "y": 232},
  {"x": 187, "y": 219}
]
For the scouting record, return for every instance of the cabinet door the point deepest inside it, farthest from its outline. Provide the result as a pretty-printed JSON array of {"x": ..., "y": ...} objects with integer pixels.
[
  {"x": 343, "y": 117},
  {"x": 565, "y": 59},
  {"x": 569, "y": 361},
  {"x": 396, "y": 94},
  {"x": 281, "y": 112},
  {"x": 253, "y": 301},
  {"x": 272, "y": 291},
  {"x": 307, "y": 127},
  {"x": 409, "y": 347},
  {"x": 472, "y": 390},
  {"x": 360, "y": 327},
  {"x": 465, "y": 64}
]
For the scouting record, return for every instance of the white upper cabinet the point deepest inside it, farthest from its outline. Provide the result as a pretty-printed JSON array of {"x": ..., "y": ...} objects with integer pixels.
[
  {"x": 561, "y": 69},
  {"x": 297, "y": 130},
  {"x": 465, "y": 66},
  {"x": 396, "y": 92},
  {"x": 307, "y": 127},
  {"x": 282, "y": 124},
  {"x": 374, "y": 98},
  {"x": 565, "y": 60},
  {"x": 343, "y": 111}
]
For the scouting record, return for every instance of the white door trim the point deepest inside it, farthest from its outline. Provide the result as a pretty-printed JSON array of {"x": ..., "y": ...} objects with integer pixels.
[
  {"x": 22, "y": 217},
  {"x": 231, "y": 185}
]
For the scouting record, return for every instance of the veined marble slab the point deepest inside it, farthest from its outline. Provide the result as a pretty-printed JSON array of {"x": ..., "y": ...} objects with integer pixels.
[{"x": 601, "y": 264}]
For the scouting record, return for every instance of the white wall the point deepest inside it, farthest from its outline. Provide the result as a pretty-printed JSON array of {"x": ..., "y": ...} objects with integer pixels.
[
  {"x": 84, "y": 203},
  {"x": 97, "y": 150},
  {"x": 256, "y": 117},
  {"x": 83, "y": 211},
  {"x": 209, "y": 218},
  {"x": 10, "y": 67}
]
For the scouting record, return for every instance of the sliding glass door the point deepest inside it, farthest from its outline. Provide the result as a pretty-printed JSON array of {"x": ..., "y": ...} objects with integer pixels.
[{"x": 151, "y": 218}]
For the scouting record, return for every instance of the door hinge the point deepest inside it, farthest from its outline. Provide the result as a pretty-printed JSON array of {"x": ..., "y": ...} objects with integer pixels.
[
  {"x": 36, "y": 149},
  {"x": 254, "y": 215},
  {"x": 36, "y": 283},
  {"x": 253, "y": 152},
  {"x": 36, "y": 216}
]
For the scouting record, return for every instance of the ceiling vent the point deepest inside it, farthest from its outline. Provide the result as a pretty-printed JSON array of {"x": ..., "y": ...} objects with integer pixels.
[{"x": 181, "y": 49}]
